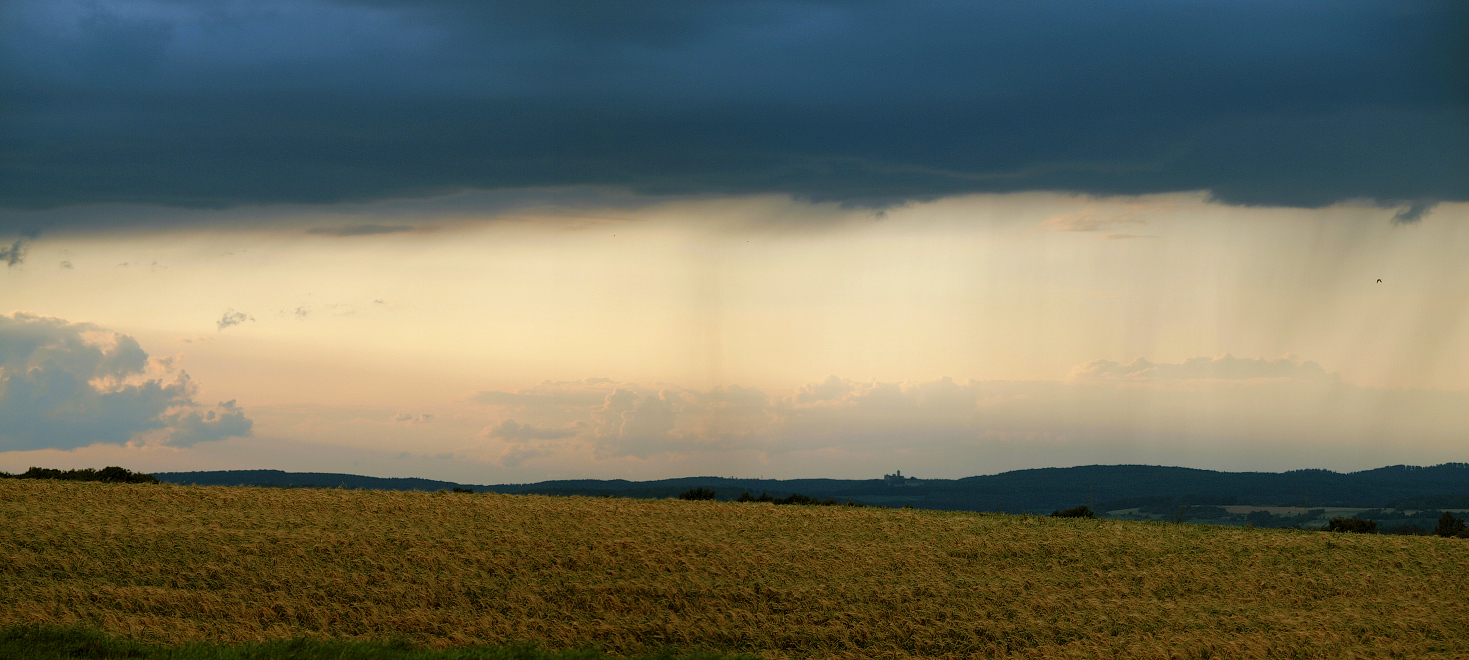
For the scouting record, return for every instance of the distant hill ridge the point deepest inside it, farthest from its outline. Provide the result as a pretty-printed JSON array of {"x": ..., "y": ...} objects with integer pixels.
[{"x": 1105, "y": 487}]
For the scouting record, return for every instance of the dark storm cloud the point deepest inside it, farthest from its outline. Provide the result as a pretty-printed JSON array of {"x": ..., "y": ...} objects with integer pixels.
[
  {"x": 202, "y": 104},
  {"x": 13, "y": 254},
  {"x": 1413, "y": 212}
]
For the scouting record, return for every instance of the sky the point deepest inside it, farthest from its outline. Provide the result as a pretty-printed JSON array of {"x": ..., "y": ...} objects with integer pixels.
[{"x": 508, "y": 243}]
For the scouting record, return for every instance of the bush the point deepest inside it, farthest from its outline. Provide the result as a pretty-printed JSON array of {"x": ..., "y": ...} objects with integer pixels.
[
  {"x": 1448, "y": 525},
  {"x": 463, "y": 490},
  {"x": 700, "y": 493},
  {"x": 1196, "y": 511},
  {"x": 793, "y": 498},
  {"x": 1267, "y": 519},
  {"x": 1074, "y": 512},
  {"x": 1353, "y": 525}
]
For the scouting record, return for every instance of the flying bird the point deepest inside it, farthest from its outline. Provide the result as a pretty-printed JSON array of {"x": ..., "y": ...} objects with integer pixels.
[{"x": 1379, "y": 280}]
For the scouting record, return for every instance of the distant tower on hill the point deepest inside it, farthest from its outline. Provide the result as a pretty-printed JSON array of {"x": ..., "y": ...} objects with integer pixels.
[{"x": 896, "y": 478}]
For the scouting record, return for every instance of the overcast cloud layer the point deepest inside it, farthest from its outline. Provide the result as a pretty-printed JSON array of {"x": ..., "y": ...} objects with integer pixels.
[{"x": 214, "y": 104}]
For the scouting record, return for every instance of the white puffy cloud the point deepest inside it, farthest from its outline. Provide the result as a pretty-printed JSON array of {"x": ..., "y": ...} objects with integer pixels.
[
  {"x": 1218, "y": 413},
  {"x": 628, "y": 423},
  {"x": 514, "y": 431},
  {"x": 521, "y": 442},
  {"x": 1224, "y": 367},
  {"x": 832, "y": 388},
  {"x": 191, "y": 426},
  {"x": 232, "y": 318},
  {"x": 1233, "y": 409},
  {"x": 65, "y": 385},
  {"x": 549, "y": 395}
]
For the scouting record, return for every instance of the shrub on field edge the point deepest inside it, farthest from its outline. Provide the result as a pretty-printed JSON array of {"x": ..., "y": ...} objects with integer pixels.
[
  {"x": 794, "y": 498},
  {"x": 1449, "y": 526},
  {"x": 1074, "y": 512},
  {"x": 1353, "y": 525},
  {"x": 700, "y": 493}
]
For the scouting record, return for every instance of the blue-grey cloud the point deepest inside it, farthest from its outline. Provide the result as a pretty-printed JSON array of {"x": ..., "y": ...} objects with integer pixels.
[
  {"x": 197, "y": 104},
  {"x": 1413, "y": 212},
  {"x": 192, "y": 426},
  {"x": 66, "y": 385},
  {"x": 14, "y": 253},
  {"x": 232, "y": 318}
]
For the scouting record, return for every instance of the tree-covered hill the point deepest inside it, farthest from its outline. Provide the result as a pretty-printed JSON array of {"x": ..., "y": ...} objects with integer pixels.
[{"x": 1104, "y": 486}]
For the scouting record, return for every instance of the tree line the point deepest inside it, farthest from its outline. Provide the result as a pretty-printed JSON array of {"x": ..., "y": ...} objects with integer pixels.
[
  {"x": 111, "y": 474},
  {"x": 702, "y": 493}
]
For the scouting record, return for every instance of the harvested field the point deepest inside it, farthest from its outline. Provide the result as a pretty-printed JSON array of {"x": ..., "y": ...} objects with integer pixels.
[{"x": 170, "y": 564}]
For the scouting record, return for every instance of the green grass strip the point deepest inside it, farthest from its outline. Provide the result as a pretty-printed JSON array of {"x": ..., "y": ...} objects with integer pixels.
[{"x": 69, "y": 643}]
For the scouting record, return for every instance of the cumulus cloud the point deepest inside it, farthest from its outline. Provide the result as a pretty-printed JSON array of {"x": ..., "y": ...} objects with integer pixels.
[
  {"x": 1225, "y": 367},
  {"x": 511, "y": 430},
  {"x": 632, "y": 424},
  {"x": 1105, "y": 411},
  {"x": 833, "y": 388},
  {"x": 518, "y": 443},
  {"x": 66, "y": 385},
  {"x": 549, "y": 394},
  {"x": 637, "y": 420},
  {"x": 190, "y": 427},
  {"x": 233, "y": 318},
  {"x": 515, "y": 455},
  {"x": 618, "y": 419}
]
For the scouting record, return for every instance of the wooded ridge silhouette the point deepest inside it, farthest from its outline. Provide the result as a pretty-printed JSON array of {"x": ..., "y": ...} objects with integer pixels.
[{"x": 1101, "y": 487}]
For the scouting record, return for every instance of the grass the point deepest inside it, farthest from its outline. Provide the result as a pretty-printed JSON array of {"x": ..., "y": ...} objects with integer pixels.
[{"x": 168, "y": 565}]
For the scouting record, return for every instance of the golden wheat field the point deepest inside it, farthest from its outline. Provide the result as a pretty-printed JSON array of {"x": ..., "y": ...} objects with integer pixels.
[{"x": 170, "y": 564}]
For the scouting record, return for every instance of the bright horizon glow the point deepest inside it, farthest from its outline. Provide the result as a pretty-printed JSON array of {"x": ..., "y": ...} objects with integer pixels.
[{"x": 678, "y": 300}]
